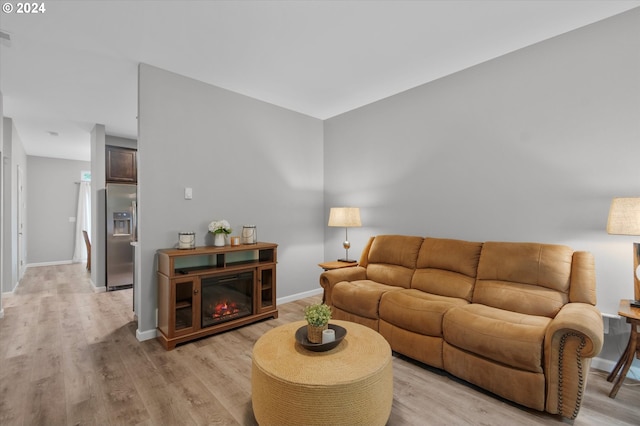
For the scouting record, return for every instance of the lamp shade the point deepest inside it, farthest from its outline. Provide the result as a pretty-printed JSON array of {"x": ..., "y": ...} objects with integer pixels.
[
  {"x": 624, "y": 216},
  {"x": 344, "y": 216}
]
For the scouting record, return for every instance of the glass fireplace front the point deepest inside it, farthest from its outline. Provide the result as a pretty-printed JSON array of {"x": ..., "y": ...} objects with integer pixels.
[{"x": 226, "y": 297}]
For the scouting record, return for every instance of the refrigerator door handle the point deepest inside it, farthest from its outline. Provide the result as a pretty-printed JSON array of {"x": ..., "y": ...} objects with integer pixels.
[{"x": 134, "y": 219}]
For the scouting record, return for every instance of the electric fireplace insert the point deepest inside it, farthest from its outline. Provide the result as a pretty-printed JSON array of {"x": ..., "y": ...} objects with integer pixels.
[{"x": 226, "y": 297}]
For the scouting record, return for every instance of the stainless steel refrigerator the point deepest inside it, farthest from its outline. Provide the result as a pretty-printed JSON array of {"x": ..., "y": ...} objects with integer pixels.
[{"x": 121, "y": 232}]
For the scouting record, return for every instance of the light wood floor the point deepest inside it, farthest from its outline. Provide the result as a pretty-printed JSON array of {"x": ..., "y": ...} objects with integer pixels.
[{"x": 69, "y": 356}]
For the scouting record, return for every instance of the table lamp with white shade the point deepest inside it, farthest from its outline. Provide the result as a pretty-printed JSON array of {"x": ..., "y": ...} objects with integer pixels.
[
  {"x": 347, "y": 217},
  {"x": 624, "y": 219}
]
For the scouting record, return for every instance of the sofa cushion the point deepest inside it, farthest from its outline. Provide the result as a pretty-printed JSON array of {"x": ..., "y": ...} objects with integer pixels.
[
  {"x": 392, "y": 259},
  {"x": 520, "y": 386},
  {"x": 510, "y": 338},
  {"x": 423, "y": 348},
  {"x": 416, "y": 311},
  {"x": 447, "y": 267},
  {"x": 529, "y": 278},
  {"x": 360, "y": 297},
  {"x": 339, "y": 314}
]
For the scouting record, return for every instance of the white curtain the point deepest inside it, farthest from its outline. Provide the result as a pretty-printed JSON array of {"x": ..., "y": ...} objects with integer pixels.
[{"x": 83, "y": 221}]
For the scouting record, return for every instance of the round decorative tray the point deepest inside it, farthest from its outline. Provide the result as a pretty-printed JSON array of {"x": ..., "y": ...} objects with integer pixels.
[{"x": 301, "y": 337}]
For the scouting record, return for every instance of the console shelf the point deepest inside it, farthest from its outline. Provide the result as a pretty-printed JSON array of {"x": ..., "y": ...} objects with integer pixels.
[{"x": 180, "y": 275}]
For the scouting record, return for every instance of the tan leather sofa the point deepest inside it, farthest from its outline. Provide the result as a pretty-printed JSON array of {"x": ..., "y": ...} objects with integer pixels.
[{"x": 517, "y": 319}]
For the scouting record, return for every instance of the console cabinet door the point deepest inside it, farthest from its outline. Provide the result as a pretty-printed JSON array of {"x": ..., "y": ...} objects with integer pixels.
[
  {"x": 266, "y": 288},
  {"x": 185, "y": 306},
  {"x": 121, "y": 165}
]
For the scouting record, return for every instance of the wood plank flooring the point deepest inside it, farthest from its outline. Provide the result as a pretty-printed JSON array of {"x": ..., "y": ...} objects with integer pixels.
[{"x": 69, "y": 356}]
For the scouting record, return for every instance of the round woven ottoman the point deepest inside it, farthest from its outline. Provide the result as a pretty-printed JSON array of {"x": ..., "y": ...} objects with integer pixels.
[{"x": 352, "y": 384}]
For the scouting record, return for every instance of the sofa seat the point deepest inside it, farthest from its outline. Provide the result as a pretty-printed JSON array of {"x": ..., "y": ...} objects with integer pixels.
[
  {"x": 417, "y": 311},
  {"x": 510, "y": 338},
  {"x": 359, "y": 301},
  {"x": 520, "y": 386},
  {"x": 411, "y": 321}
]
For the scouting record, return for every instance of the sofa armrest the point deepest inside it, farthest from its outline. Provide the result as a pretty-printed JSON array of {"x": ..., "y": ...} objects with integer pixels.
[
  {"x": 573, "y": 337},
  {"x": 582, "y": 319},
  {"x": 330, "y": 278}
]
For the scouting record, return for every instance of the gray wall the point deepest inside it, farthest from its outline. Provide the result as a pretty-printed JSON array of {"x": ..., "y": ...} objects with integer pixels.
[
  {"x": 98, "y": 232},
  {"x": 530, "y": 146},
  {"x": 52, "y": 200},
  {"x": 1, "y": 202},
  {"x": 247, "y": 161},
  {"x": 13, "y": 158}
]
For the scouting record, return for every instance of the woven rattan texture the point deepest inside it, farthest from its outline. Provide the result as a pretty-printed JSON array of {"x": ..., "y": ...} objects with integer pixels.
[{"x": 351, "y": 384}]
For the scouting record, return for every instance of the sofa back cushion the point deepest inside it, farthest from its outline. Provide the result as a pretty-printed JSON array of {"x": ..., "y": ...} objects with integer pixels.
[
  {"x": 447, "y": 267},
  {"x": 529, "y": 278},
  {"x": 392, "y": 259}
]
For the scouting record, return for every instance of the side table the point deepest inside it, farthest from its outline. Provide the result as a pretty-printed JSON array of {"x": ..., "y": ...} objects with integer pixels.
[
  {"x": 337, "y": 264},
  {"x": 633, "y": 348}
]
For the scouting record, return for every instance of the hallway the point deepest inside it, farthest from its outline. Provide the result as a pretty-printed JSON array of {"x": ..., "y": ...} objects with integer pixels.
[
  {"x": 56, "y": 336},
  {"x": 69, "y": 356}
]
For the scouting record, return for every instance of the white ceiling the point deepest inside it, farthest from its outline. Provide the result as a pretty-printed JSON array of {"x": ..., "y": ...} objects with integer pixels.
[{"x": 75, "y": 65}]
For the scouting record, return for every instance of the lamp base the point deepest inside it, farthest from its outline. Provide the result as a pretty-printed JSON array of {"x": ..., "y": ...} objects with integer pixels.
[{"x": 347, "y": 260}]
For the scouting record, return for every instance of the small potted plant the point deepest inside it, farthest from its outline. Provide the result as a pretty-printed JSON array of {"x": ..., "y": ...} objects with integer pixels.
[{"x": 317, "y": 317}]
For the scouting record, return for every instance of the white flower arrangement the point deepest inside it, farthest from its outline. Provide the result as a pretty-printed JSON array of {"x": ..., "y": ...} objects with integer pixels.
[{"x": 220, "y": 227}]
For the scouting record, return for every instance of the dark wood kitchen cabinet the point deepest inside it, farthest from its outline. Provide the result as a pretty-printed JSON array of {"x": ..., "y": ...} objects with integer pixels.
[
  {"x": 121, "y": 165},
  {"x": 207, "y": 290}
]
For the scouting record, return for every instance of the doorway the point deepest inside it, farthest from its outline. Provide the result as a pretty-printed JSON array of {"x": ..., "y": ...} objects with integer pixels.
[{"x": 21, "y": 215}]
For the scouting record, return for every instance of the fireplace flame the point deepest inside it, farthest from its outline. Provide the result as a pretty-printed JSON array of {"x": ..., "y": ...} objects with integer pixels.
[{"x": 224, "y": 308}]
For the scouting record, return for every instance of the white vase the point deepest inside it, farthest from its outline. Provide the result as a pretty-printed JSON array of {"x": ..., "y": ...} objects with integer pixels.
[{"x": 219, "y": 240}]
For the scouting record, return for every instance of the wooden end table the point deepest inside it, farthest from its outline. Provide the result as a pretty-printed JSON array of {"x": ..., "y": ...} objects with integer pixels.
[
  {"x": 633, "y": 348},
  {"x": 338, "y": 264}
]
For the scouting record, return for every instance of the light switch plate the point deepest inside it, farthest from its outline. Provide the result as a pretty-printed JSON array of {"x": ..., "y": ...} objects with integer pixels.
[{"x": 188, "y": 193}]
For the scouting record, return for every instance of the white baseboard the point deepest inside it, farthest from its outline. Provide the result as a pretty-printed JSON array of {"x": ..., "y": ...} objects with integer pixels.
[
  {"x": 93, "y": 285},
  {"x": 146, "y": 335},
  {"x": 58, "y": 262},
  {"x": 298, "y": 296},
  {"x": 13, "y": 291},
  {"x": 607, "y": 365}
]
